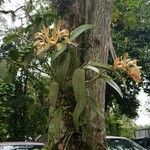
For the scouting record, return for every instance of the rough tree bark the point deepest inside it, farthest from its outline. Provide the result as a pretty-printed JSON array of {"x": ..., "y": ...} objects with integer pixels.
[
  {"x": 98, "y": 13},
  {"x": 100, "y": 16}
]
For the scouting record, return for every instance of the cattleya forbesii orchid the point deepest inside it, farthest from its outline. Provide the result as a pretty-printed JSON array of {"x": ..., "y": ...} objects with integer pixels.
[
  {"x": 69, "y": 80},
  {"x": 130, "y": 66},
  {"x": 48, "y": 38}
]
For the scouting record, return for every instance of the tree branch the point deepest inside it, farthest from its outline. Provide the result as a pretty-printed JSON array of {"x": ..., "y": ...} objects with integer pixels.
[
  {"x": 7, "y": 11},
  {"x": 111, "y": 49},
  {"x": 12, "y": 12}
]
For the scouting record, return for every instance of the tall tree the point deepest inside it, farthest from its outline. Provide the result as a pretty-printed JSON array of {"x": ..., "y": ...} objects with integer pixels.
[{"x": 98, "y": 13}]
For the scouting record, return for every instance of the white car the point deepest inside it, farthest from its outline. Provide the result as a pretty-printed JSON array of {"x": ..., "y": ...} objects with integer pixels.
[
  {"x": 121, "y": 143},
  {"x": 113, "y": 143},
  {"x": 21, "y": 146}
]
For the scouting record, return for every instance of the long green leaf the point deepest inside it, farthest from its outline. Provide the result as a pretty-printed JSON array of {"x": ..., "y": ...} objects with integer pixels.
[
  {"x": 100, "y": 65},
  {"x": 92, "y": 68},
  {"x": 108, "y": 79},
  {"x": 78, "y": 81},
  {"x": 59, "y": 52},
  {"x": 57, "y": 122},
  {"x": 113, "y": 85},
  {"x": 74, "y": 62},
  {"x": 53, "y": 93},
  {"x": 75, "y": 33},
  {"x": 62, "y": 67}
]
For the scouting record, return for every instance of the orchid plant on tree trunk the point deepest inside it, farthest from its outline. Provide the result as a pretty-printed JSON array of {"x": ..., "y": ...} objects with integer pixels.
[{"x": 68, "y": 97}]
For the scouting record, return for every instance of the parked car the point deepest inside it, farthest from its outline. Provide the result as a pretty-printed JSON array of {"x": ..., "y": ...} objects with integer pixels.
[
  {"x": 21, "y": 146},
  {"x": 121, "y": 143},
  {"x": 143, "y": 141},
  {"x": 113, "y": 142}
]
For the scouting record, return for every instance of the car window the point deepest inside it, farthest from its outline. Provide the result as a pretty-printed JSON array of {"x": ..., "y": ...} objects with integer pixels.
[{"x": 122, "y": 144}]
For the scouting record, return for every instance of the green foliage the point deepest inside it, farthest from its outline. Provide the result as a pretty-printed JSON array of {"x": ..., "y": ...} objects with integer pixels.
[
  {"x": 135, "y": 41},
  {"x": 61, "y": 50},
  {"x": 75, "y": 33},
  {"x": 92, "y": 66},
  {"x": 124, "y": 13},
  {"x": 53, "y": 93},
  {"x": 3, "y": 69},
  {"x": 54, "y": 126},
  {"x": 61, "y": 67},
  {"x": 78, "y": 81},
  {"x": 113, "y": 84},
  {"x": 118, "y": 125},
  {"x": 6, "y": 91},
  {"x": 101, "y": 65},
  {"x": 57, "y": 122},
  {"x": 10, "y": 37}
]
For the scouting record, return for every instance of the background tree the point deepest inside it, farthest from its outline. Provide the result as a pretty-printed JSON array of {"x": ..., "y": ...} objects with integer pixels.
[{"x": 129, "y": 33}]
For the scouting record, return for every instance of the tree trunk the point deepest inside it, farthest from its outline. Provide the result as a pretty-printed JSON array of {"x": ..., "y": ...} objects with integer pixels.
[{"x": 98, "y": 13}]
